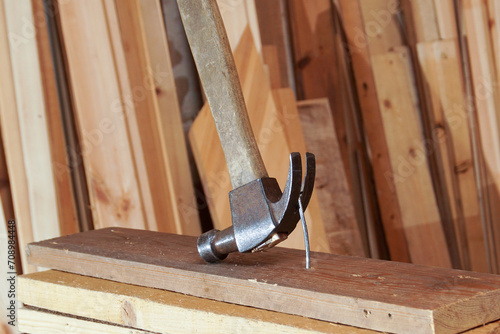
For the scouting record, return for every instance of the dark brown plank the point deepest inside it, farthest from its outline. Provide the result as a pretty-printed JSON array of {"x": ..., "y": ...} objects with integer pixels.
[{"x": 368, "y": 293}]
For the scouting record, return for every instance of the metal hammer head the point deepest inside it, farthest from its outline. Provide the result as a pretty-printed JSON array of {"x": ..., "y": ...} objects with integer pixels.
[{"x": 262, "y": 215}]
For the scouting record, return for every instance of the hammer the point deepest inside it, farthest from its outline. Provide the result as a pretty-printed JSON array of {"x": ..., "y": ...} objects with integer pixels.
[{"x": 262, "y": 216}]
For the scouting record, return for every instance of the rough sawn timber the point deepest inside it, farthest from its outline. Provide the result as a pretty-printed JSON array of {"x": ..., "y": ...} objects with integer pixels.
[{"x": 367, "y": 293}]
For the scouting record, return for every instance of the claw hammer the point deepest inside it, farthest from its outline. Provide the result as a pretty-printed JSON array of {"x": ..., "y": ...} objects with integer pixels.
[{"x": 262, "y": 215}]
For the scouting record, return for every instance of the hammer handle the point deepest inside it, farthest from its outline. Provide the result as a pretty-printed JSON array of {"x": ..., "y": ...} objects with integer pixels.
[{"x": 215, "y": 63}]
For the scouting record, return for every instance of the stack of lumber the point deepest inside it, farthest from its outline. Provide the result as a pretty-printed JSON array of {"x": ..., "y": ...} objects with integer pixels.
[{"x": 117, "y": 280}]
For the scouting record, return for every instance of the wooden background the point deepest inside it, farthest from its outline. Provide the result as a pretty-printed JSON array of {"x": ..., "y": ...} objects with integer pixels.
[{"x": 103, "y": 121}]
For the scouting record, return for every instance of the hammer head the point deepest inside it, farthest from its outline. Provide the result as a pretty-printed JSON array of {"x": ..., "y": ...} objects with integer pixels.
[{"x": 262, "y": 215}]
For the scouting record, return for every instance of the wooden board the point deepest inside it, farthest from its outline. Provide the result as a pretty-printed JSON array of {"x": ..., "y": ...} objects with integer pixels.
[
  {"x": 365, "y": 83},
  {"x": 42, "y": 322},
  {"x": 100, "y": 115},
  {"x": 441, "y": 66},
  {"x": 331, "y": 185},
  {"x": 313, "y": 40},
  {"x": 64, "y": 192},
  {"x": 271, "y": 139},
  {"x": 413, "y": 185},
  {"x": 158, "y": 310},
  {"x": 156, "y": 114},
  {"x": 273, "y": 25},
  {"x": 486, "y": 100},
  {"x": 382, "y": 25},
  {"x": 373, "y": 294}
]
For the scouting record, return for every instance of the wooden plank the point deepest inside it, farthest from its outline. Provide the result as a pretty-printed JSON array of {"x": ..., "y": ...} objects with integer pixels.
[
  {"x": 24, "y": 129},
  {"x": 382, "y": 25},
  {"x": 413, "y": 185},
  {"x": 372, "y": 118},
  {"x": 110, "y": 169},
  {"x": 331, "y": 188},
  {"x": 183, "y": 67},
  {"x": 368, "y": 293},
  {"x": 486, "y": 99},
  {"x": 66, "y": 206},
  {"x": 446, "y": 19},
  {"x": 43, "y": 322},
  {"x": 422, "y": 22},
  {"x": 493, "y": 328},
  {"x": 157, "y": 117},
  {"x": 441, "y": 66},
  {"x": 179, "y": 173},
  {"x": 313, "y": 38},
  {"x": 271, "y": 139},
  {"x": 273, "y": 25},
  {"x": 173, "y": 312}
]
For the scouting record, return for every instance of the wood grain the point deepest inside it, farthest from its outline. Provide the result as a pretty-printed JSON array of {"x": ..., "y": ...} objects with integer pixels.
[
  {"x": 413, "y": 184},
  {"x": 100, "y": 114},
  {"x": 160, "y": 311},
  {"x": 331, "y": 185},
  {"x": 440, "y": 64},
  {"x": 43, "y": 322},
  {"x": 367, "y": 293},
  {"x": 365, "y": 83}
]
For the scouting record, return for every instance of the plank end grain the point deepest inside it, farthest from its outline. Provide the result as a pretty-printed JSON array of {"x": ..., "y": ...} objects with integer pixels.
[{"x": 367, "y": 293}]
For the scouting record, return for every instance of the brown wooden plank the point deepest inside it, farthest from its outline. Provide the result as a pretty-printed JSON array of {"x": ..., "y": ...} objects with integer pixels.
[
  {"x": 441, "y": 67},
  {"x": 486, "y": 102},
  {"x": 313, "y": 39},
  {"x": 331, "y": 186},
  {"x": 413, "y": 184},
  {"x": 372, "y": 118},
  {"x": 165, "y": 311},
  {"x": 373, "y": 294},
  {"x": 273, "y": 25}
]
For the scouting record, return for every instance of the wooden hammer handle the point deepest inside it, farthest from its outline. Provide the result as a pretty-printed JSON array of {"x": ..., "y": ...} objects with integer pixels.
[{"x": 214, "y": 60}]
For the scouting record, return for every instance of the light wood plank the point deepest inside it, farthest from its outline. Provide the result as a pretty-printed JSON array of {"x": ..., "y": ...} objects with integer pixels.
[
  {"x": 111, "y": 173},
  {"x": 331, "y": 188},
  {"x": 422, "y": 22},
  {"x": 158, "y": 310},
  {"x": 382, "y": 25},
  {"x": 373, "y": 122},
  {"x": 169, "y": 120},
  {"x": 271, "y": 139},
  {"x": 446, "y": 19},
  {"x": 42, "y": 322},
  {"x": 441, "y": 66},
  {"x": 66, "y": 206},
  {"x": 373, "y": 294},
  {"x": 413, "y": 184},
  {"x": 486, "y": 100}
]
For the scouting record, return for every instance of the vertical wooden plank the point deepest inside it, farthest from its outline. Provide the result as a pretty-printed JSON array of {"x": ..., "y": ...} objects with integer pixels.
[
  {"x": 273, "y": 24},
  {"x": 372, "y": 118},
  {"x": 12, "y": 142},
  {"x": 168, "y": 120},
  {"x": 422, "y": 21},
  {"x": 485, "y": 98},
  {"x": 382, "y": 25},
  {"x": 446, "y": 19},
  {"x": 413, "y": 185},
  {"x": 111, "y": 173},
  {"x": 68, "y": 218},
  {"x": 312, "y": 27},
  {"x": 441, "y": 65},
  {"x": 32, "y": 115},
  {"x": 332, "y": 190}
]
